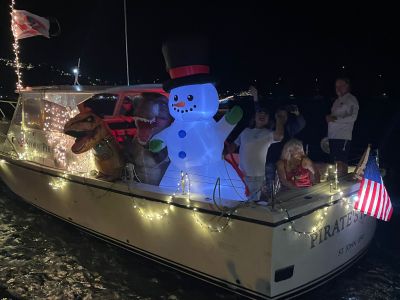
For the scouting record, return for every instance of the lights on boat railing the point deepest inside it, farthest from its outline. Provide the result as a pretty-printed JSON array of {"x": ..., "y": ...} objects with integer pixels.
[
  {"x": 150, "y": 215},
  {"x": 58, "y": 183},
  {"x": 346, "y": 202},
  {"x": 219, "y": 228}
]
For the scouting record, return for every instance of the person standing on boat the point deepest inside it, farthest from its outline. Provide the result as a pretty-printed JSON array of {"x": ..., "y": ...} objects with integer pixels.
[
  {"x": 253, "y": 143},
  {"x": 344, "y": 112}
]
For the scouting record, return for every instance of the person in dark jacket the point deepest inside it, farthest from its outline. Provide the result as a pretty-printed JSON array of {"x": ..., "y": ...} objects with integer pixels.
[{"x": 295, "y": 123}]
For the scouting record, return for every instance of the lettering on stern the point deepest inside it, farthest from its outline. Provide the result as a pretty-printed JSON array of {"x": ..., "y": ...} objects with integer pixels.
[{"x": 337, "y": 227}]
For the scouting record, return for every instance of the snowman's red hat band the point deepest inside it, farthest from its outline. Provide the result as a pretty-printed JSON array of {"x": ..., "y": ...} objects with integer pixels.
[{"x": 188, "y": 71}]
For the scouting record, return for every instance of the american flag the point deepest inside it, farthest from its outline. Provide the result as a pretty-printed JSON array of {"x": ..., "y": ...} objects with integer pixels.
[{"x": 372, "y": 196}]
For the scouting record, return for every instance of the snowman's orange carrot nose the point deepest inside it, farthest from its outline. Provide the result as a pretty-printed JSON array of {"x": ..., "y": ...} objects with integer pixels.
[{"x": 179, "y": 104}]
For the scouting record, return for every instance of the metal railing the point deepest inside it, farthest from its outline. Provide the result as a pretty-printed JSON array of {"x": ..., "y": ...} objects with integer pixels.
[{"x": 12, "y": 103}]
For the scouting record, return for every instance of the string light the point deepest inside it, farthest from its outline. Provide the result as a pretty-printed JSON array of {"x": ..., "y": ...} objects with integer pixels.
[
  {"x": 151, "y": 216},
  {"x": 55, "y": 118},
  {"x": 58, "y": 183},
  {"x": 333, "y": 180},
  {"x": 320, "y": 217},
  {"x": 17, "y": 63},
  {"x": 226, "y": 222},
  {"x": 183, "y": 191}
]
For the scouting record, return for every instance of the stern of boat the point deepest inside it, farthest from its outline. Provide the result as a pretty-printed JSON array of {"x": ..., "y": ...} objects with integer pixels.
[{"x": 315, "y": 245}]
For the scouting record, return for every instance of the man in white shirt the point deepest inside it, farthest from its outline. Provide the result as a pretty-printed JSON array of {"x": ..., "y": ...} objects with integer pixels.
[{"x": 344, "y": 112}]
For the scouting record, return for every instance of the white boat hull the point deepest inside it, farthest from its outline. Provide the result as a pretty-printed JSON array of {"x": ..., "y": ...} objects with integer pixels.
[{"x": 260, "y": 254}]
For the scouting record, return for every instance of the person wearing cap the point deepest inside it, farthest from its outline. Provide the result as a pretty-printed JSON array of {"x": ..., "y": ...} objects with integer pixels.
[
  {"x": 254, "y": 142},
  {"x": 344, "y": 112}
]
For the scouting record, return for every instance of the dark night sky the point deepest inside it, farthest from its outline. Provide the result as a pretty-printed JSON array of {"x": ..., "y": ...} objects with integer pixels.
[{"x": 248, "y": 41}]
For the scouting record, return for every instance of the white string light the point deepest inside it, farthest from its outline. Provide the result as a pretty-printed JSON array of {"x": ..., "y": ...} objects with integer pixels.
[
  {"x": 17, "y": 63},
  {"x": 321, "y": 216}
]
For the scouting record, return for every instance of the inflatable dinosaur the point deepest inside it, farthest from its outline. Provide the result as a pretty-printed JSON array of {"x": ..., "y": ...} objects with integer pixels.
[
  {"x": 91, "y": 132},
  {"x": 151, "y": 116}
]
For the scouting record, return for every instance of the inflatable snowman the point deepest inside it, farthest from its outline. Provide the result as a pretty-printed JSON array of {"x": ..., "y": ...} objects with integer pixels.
[{"x": 195, "y": 140}]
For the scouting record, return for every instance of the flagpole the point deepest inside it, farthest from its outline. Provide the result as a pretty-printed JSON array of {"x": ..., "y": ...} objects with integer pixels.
[
  {"x": 17, "y": 64},
  {"x": 126, "y": 44}
]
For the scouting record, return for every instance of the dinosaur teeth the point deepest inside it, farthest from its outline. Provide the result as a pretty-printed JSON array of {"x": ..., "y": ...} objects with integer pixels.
[{"x": 146, "y": 120}]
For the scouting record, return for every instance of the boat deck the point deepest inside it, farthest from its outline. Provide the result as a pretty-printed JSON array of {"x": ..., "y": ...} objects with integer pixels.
[{"x": 289, "y": 202}]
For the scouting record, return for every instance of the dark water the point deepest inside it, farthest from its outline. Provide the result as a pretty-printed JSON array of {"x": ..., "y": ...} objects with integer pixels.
[{"x": 44, "y": 258}]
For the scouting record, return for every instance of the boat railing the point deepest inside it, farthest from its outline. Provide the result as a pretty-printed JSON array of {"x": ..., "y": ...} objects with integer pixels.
[
  {"x": 3, "y": 139},
  {"x": 7, "y": 108},
  {"x": 11, "y": 103}
]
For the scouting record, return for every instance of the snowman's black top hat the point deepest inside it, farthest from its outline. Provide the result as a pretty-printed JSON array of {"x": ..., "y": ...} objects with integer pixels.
[{"x": 186, "y": 60}]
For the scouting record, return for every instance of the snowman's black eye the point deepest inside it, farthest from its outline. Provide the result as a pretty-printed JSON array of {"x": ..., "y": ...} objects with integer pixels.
[
  {"x": 190, "y": 97},
  {"x": 176, "y": 97}
]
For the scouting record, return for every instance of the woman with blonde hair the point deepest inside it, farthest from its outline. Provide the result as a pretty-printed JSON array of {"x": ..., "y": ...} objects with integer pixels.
[{"x": 295, "y": 169}]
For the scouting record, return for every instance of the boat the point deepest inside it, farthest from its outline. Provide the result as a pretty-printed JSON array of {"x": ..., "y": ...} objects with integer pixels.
[{"x": 258, "y": 250}]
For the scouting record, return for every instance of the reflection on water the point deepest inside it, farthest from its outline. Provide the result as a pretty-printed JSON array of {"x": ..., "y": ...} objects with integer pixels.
[{"x": 44, "y": 258}]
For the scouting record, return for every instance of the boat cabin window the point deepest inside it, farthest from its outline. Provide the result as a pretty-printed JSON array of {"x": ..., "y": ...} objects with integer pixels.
[
  {"x": 55, "y": 116},
  {"x": 41, "y": 114},
  {"x": 17, "y": 119},
  {"x": 102, "y": 104},
  {"x": 127, "y": 106},
  {"x": 67, "y": 99},
  {"x": 32, "y": 116}
]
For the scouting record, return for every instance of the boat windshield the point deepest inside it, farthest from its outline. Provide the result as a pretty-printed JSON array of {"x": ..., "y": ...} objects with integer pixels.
[{"x": 102, "y": 104}]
